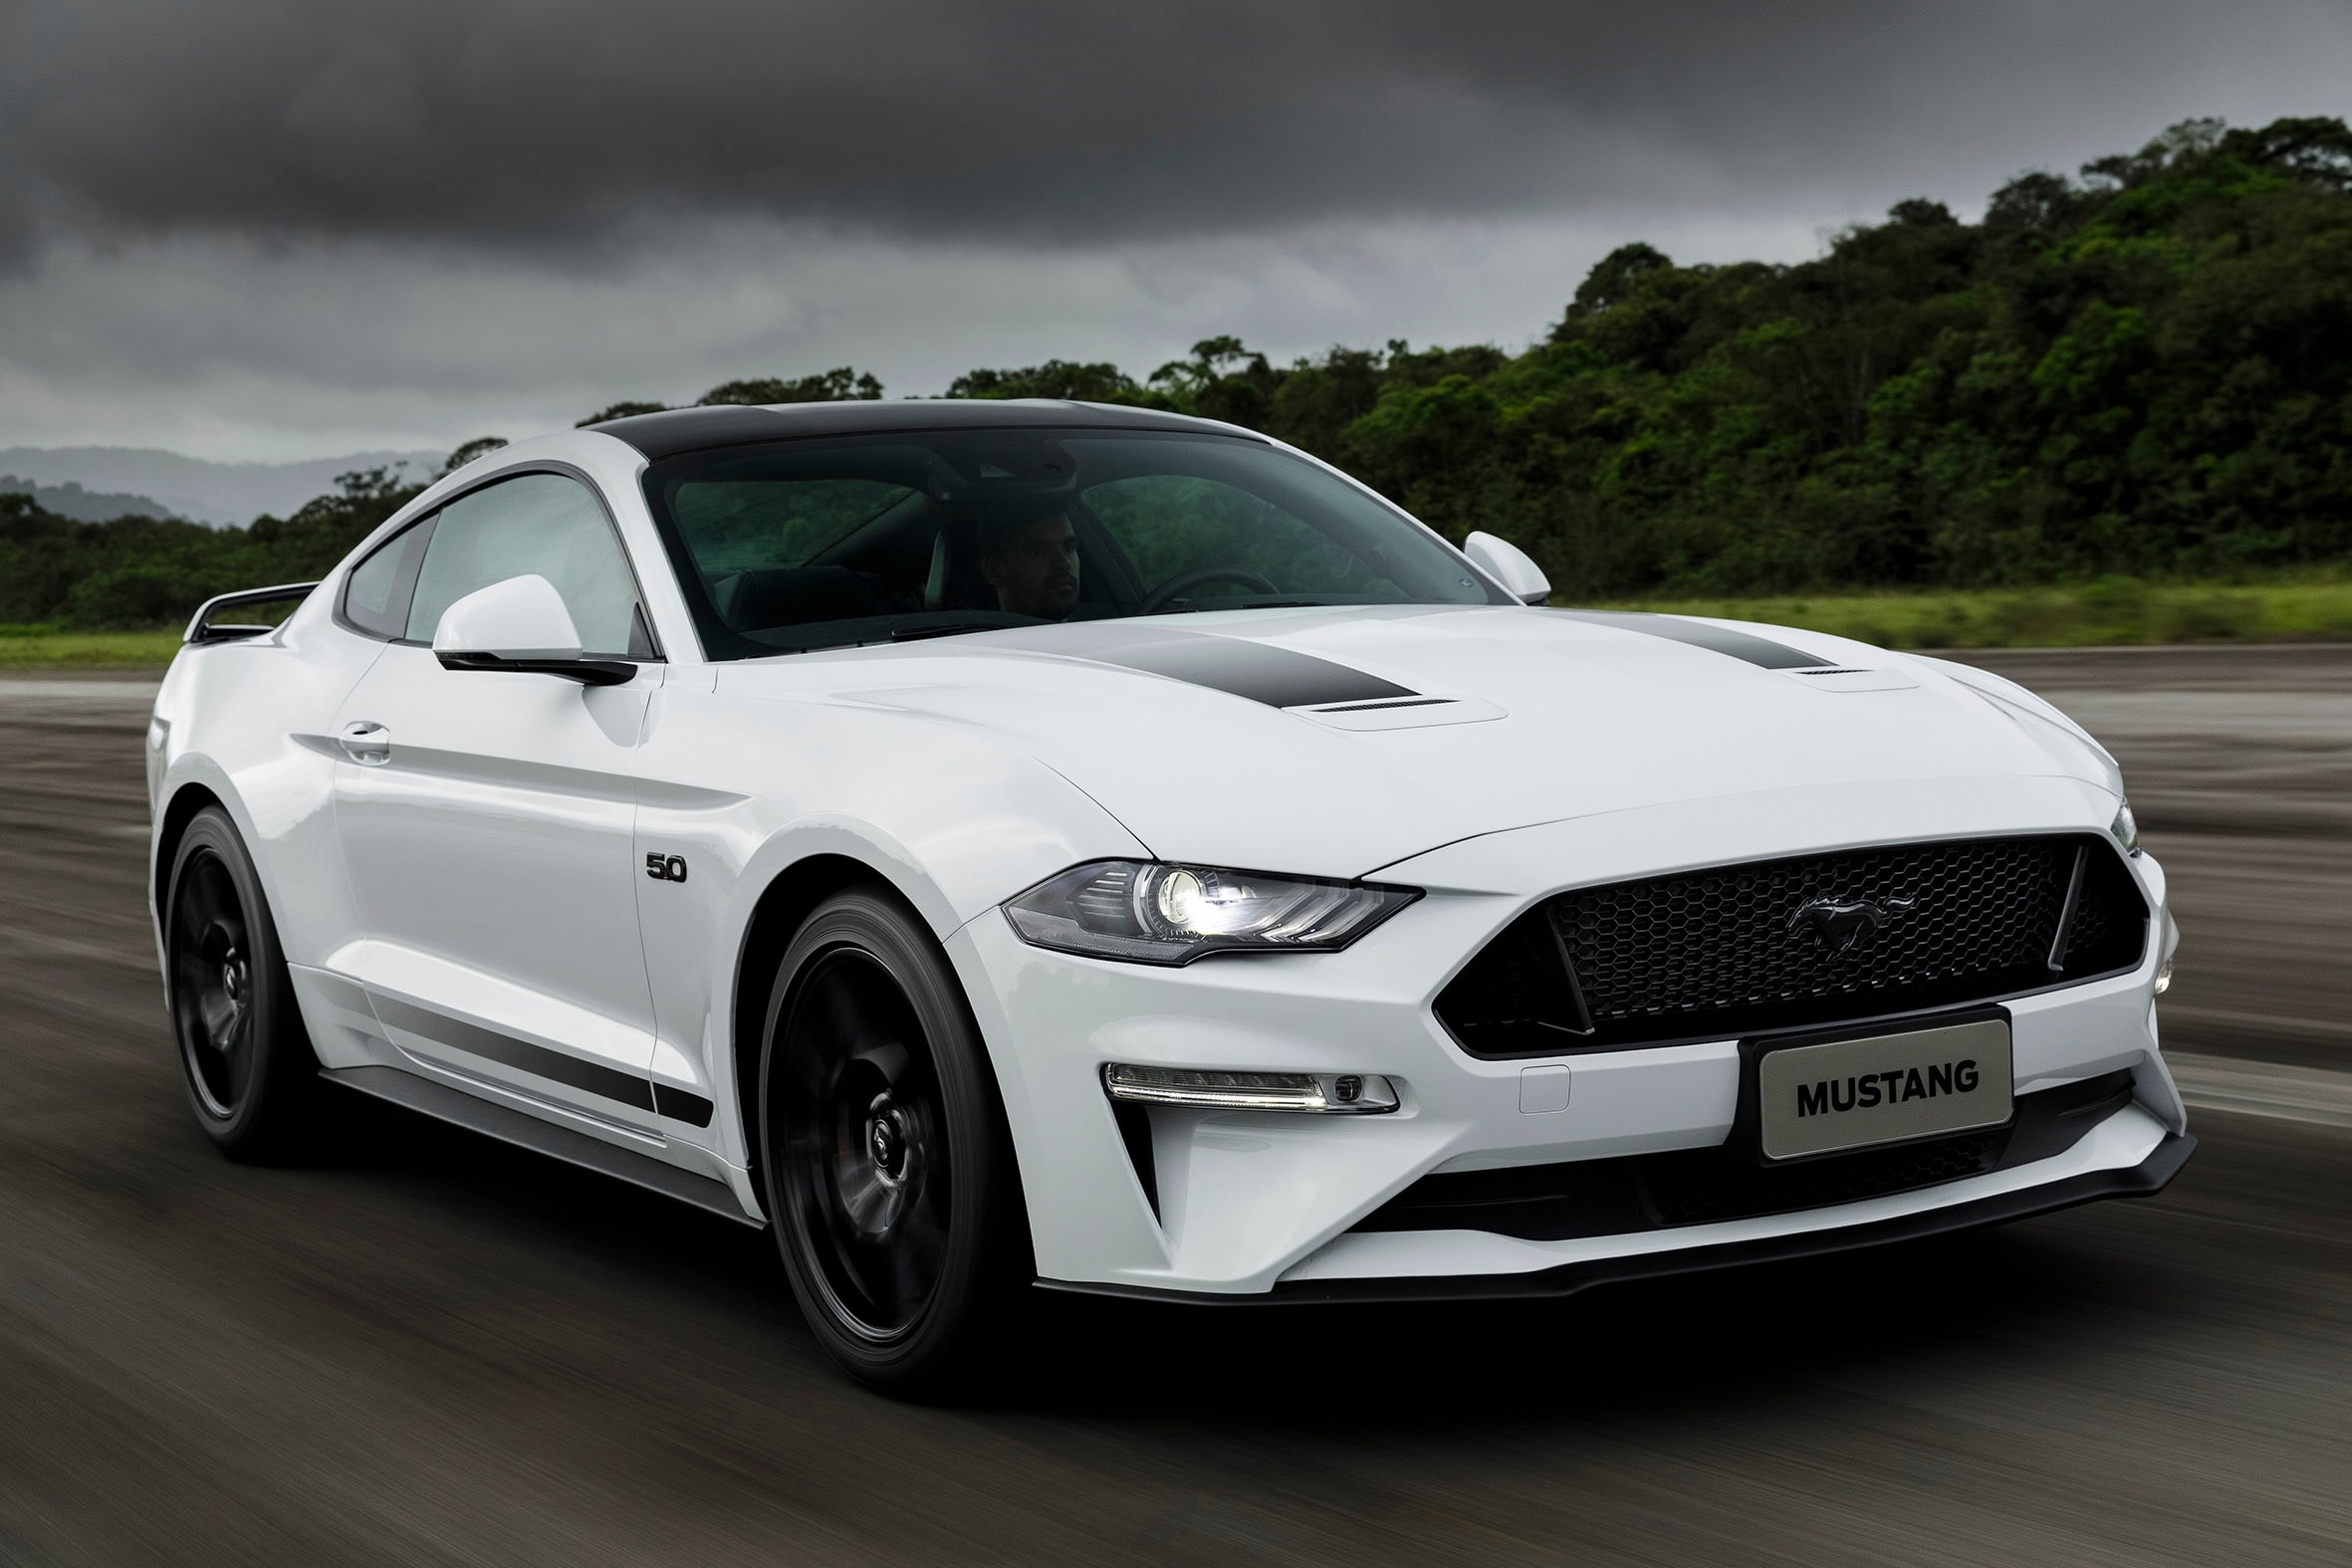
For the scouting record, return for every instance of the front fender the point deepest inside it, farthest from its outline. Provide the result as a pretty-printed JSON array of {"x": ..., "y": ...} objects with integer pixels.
[{"x": 746, "y": 788}]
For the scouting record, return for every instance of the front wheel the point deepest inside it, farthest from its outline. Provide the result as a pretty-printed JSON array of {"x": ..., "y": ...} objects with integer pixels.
[
  {"x": 884, "y": 1156},
  {"x": 243, "y": 1054}
]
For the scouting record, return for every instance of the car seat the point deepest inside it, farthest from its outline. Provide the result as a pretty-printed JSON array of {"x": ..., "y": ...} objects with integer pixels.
[{"x": 955, "y": 581}]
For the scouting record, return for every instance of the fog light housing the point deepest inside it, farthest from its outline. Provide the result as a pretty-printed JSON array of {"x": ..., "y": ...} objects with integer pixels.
[
  {"x": 1311, "y": 1093},
  {"x": 2164, "y": 974}
]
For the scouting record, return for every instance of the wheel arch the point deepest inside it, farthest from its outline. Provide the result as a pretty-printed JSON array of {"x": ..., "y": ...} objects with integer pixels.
[
  {"x": 784, "y": 906},
  {"x": 186, "y": 801}
]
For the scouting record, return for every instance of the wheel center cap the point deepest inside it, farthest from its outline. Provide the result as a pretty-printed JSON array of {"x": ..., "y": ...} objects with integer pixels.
[{"x": 887, "y": 1140}]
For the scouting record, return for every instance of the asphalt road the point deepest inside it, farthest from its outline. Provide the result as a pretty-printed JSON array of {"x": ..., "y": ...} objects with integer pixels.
[{"x": 425, "y": 1348}]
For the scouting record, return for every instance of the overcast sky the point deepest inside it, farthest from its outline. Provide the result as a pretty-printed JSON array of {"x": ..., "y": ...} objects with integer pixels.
[{"x": 282, "y": 228}]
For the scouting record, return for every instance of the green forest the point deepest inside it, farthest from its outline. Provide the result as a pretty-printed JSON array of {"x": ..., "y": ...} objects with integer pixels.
[{"x": 2141, "y": 373}]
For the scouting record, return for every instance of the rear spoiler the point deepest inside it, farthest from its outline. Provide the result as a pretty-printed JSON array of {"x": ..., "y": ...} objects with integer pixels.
[{"x": 202, "y": 630}]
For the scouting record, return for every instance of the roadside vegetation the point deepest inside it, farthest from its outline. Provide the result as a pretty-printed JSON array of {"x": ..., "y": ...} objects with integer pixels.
[
  {"x": 52, "y": 648},
  {"x": 2116, "y": 408},
  {"x": 2101, "y": 613}
]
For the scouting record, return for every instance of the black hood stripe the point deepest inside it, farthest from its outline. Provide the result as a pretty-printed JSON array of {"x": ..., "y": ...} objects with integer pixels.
[
  {"x": 1715, "y": 639},
  {"x": 1260, "y": 672}
]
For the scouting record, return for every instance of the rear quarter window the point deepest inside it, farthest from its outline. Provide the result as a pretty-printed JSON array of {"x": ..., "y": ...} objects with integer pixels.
[{"x": 375, "y": 596}]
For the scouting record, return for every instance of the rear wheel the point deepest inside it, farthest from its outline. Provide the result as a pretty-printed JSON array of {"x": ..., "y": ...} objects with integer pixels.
[
  {"x": 243, "y": 1054},
  {"x": 887, "y": 1163}
]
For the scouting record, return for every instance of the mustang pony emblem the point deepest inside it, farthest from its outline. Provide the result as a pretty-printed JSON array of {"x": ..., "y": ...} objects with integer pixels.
[{"x": 1844, "y": 924}]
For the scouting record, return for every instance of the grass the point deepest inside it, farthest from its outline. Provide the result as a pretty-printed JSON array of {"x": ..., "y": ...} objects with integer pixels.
[
  {"x": 2107, "y": 611},
  {"x": 47, "y": 649}
]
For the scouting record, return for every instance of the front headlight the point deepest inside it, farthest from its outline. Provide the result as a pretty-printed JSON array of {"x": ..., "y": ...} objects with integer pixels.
[
  {"x": 1149, "y": 913},
  {"x": 2126, "y": 828}
]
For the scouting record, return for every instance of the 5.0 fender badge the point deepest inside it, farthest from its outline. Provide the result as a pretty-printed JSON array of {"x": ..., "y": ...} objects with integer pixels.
[{"x": 1844, "y": 924}]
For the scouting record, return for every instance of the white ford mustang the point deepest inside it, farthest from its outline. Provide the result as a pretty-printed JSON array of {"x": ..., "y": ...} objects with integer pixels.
[{"x": 998, "y": 844}]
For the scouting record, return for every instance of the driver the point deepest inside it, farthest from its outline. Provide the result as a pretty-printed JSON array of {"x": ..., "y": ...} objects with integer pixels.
[{"x": 1033, "y": 564}]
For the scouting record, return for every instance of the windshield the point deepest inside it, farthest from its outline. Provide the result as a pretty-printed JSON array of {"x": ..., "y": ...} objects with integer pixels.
[{"x": 819, "y": 543}]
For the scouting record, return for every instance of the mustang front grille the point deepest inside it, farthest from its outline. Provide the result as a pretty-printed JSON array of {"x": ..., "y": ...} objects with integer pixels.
[{"x": 1800, "y": 943}]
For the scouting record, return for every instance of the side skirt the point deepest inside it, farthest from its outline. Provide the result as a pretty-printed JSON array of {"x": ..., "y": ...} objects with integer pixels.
[{"x": 461, "y": 1109}]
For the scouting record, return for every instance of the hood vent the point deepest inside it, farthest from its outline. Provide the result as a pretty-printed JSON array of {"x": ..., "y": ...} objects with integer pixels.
[
  {"x": 1401, "y": 713},
  {"x": 1844, "y": 678}
]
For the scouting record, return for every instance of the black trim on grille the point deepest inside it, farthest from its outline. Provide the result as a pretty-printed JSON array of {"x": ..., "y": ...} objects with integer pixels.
[
  {"x": 1658, "y": 1192},
  {"x": 1728, "y": 952}
]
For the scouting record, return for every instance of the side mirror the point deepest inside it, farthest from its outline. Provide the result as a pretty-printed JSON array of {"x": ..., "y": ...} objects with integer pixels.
[
  {"x": 1509, "y": 565},
  {"x": 520, "y": 626}
]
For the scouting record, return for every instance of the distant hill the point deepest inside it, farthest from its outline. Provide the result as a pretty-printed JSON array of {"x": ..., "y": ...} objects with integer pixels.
[
  {"x": 192, "y": 486},
  {"x": 84, "y": 506}
]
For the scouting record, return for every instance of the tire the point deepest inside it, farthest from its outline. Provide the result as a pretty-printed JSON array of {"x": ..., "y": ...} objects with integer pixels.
[
  {"x": 245, "y": 1058},
  {"x": 884, "y": 1154}
]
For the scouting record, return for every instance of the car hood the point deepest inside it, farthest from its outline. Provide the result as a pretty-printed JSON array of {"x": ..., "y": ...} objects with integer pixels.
[{"x": 1333, "y": 741}]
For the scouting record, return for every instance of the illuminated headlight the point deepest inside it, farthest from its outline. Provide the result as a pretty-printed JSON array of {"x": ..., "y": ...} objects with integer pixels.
[
  {"x": 1149, "y": 913},
  {"x": 2126, "y": 828},
  {"x": 1316, "y": 1093}
]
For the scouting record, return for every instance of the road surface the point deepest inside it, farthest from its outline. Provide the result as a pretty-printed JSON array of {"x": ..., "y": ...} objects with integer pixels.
[{"x": 425, "y": 1348}]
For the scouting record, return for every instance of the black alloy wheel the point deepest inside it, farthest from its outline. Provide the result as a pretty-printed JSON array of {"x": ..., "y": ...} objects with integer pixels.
[
  {"x": 883, "y": 1152},
  {"x": 243, "y": 1054}
]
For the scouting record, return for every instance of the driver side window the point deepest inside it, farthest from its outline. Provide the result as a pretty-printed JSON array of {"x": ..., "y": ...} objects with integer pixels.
[{"x": 535, "y": 523}]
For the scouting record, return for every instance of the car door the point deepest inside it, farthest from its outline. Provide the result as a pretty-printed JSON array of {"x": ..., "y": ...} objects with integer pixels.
[{"x": 485, "y": 820}]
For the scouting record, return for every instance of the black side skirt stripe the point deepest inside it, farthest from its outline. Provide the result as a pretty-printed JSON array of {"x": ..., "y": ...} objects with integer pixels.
[
  {"x": 1260, "y": 672},
  {"x": 679, "y": 1106},
  {"x": 1715, "y": 639},
  {"x": 606, "y": 1083},
  {"x": 470, "y": 1111}
]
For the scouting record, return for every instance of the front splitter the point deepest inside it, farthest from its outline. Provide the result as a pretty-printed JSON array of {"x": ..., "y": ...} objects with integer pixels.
[{"x": 2145, "y": 1179}]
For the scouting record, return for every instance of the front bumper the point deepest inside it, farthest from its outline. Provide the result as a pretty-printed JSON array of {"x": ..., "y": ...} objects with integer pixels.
[
  {"x": 1266, "y": 1205},
  {"x": 1844, "y": 1233}
]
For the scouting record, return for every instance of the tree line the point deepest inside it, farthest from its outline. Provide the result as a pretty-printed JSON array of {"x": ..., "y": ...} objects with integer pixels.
[{"x": 2142, "y": 369}]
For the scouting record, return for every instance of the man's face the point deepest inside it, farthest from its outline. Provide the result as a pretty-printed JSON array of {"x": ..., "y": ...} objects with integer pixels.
[{"x": 1038, "y": 573}]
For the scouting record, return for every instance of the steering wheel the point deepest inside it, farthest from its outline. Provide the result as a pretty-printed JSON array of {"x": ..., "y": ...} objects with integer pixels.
[{"x": 1184, "y": 582}]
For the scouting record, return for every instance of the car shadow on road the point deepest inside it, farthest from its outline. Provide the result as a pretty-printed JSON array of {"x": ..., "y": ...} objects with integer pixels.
[
  {"x": 1695, "y": 1343},
  {"x": 1699, "y": 1341}
]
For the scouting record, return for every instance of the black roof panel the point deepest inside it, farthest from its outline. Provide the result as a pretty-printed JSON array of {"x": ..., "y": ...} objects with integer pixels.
[{"x": 692, "y": 429}]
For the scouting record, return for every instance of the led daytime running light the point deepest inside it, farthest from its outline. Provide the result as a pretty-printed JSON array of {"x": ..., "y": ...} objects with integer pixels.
[{"x": 1311, "y": 1093}]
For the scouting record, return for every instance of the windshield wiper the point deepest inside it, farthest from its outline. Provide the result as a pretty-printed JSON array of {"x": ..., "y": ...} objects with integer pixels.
[
  {"x": 1187, "y": 608},
  {"x": 954, "y": 629}
]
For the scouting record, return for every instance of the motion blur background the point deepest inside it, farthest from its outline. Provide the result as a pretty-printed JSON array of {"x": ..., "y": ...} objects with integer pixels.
[{"x": 1958, "y": 326}]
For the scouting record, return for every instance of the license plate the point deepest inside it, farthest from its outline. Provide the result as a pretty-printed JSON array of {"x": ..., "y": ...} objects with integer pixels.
[{"x": 1889, "y": 1088}]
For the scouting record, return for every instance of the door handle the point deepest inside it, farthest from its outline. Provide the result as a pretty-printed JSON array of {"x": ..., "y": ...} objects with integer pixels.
[{"x": 366, "y": 743}]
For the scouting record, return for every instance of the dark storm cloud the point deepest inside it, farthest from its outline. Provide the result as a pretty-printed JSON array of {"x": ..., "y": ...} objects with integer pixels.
[{"x": 1022, "y": 120}]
